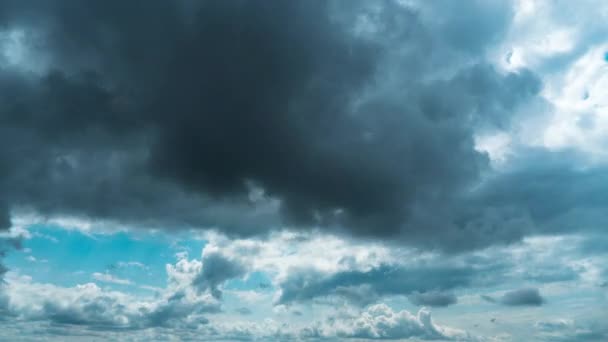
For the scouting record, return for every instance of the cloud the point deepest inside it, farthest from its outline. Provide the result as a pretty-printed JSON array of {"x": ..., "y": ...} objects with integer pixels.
[
  {"x": 553, "y": 190},
  {"x": 216, "y": 269},
  {"x": 342, "y": 283},
  {"x": 126, "y": 264},
  {"x": 5, "y": 218},
  {"x": 108, "y": 278},
  {"x": 423, "y": 284},
  {"x": 432, "y": 298},
  {"x": 381, "y": 322},
  {"x": 555, "y": 274},
  {"x": 520, "y": 297},
  {"x": 7, "y": 243},
  {"x": 243, "y": 311},
  {"x": 553, "y": 325},
  {"x": 92, "y": 307},
  {"x": 359, "y": 119},
  {"x": 323, "y": 269},
  {"x": 346, "y": 150},
  {"x": 570, "y": 330}
]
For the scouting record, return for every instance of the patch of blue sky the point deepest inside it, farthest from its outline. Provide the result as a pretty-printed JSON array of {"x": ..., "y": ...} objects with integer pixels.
[{"x": 69, "y": 257}]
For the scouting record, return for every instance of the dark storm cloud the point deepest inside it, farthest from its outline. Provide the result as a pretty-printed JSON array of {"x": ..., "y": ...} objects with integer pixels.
[
  {"x": 5, "y": 218},
  {"x": 351, "y": 116},
  {"x": 520, "y": 297}
]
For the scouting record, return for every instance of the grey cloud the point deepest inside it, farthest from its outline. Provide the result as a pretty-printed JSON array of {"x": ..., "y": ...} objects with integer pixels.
[
  {"x": 3, "y": 269},
  {"x": 100, "y": 312},
  {"x": 461, "y": 33},
  {"x": 423, "y": 284},
  {"x": 488, "y": 298},
  {"x": 7, "y": 244},
  {"x": 217, "y": 268},
  {"x": 5, "y": 218},
  {"x": 5, "y": 312},
  {"x": 175, "y": 312},
  {"x": 594, "y": 244},
  {"x": 168, "y": 116},
  {"x": 432, "y": 298},
  {"x": 520, "y": 297},
  {"x": 551, "y": 190}
]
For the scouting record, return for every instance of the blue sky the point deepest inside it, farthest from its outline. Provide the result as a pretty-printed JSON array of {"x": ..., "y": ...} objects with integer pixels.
[
  {"x": 78, "y": 255},
  {"x": 404, "y": 170}
]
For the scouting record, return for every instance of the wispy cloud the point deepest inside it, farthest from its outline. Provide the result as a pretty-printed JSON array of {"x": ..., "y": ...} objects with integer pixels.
[{"x": 109, "y": 278}]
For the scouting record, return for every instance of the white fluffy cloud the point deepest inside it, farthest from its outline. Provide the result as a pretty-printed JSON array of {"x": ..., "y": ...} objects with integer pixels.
[
  {"x": 381, "y": 322},
  {"x": 581, "y": 107},
  {"x": 565, "y": 44},
  {"x": 91, "y": 306},
  {"x": 285, "y": 251}
]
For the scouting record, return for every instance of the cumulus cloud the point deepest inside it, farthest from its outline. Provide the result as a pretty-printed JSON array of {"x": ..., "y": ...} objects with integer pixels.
[
  {"x": 86, "y": 309},
  {"x": 89, "y": 306},
  {"x": 381, "y": 322}
]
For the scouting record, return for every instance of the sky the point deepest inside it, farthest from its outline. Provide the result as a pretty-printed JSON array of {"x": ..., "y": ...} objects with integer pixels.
[{"x": 340, "y": 170}]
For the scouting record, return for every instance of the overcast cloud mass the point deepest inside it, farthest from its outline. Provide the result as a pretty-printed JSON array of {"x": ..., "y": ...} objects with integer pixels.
[{"x": 303, "y": 170}]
